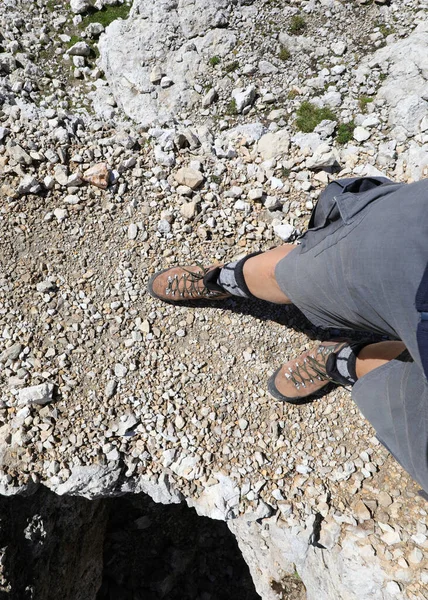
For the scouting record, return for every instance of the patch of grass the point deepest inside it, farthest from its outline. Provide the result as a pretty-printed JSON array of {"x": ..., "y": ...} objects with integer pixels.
[
  {"x": 284, "y": 53},
  {"x": 309, "y": 116},
  {"x": 106, "y": 15},
  {"x": 51, "y": 5},
  {"x": 297, "y": 24},
  {"x": 385, "y": 29},
  {"x": 285, "y": 172},
  {"x": 231, "y": 67},
  {"x": 74, "y": 39},
  {"x": 383, "y": 76},
  {"x": 345, "y": 132},
  {"x": 231, "y": 108},
  {"x": 363, "y": 101},
  {"x": 214, "y": 61}
]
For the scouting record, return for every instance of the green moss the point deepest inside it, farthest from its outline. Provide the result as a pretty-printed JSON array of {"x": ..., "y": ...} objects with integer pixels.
[
  {"x": 297, "y": 24},
  {"x": 383, "y": 76},
  {"x": 363, "y": 101},
  {"x": 51, "y": 5},
  {"x": 309, "y": 116},
  {"x": 345, "y": 132},
  {"x": 385, "y": 29},
  {"x": 214, "y": 61},
  {"x": 106, "y": 15},
  {"x": 231, "y": 67},
  {"x": 284, "y": 53},
  {"x": 285, "y": 172},
  {"x": 73, "y": 40}
]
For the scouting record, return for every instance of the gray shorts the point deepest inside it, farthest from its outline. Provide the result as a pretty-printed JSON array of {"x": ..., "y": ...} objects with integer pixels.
[{"x": 359, "y": 268}]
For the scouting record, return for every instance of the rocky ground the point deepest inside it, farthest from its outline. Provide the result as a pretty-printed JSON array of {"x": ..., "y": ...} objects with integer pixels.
[{"x": 96, "y": 372}]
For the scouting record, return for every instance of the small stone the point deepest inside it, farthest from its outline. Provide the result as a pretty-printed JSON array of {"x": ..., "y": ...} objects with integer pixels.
[
  {"x": 416, "y": 556},
  {"x": 18, "y": 154},
  {"x": 110, "y": 389},
  {"x": 339, "y": 48},
  {"x": 284, "y": 231},
  {"x": 11, "y": 353},
  {"x": 189, "y": 177},
  {"x": 210, "y": 97},
  {"x": 244, "y": 97},
  {"x": 61, "y": 214},
  {"x": 132, "y": 231},
  {"x": 80, "y": 6},
  {"x": 392, "y": 588},
  {"x": 165, "y": 159},
  {"x": 4, "y": 132},
  {"x": 156, "y": 75},
  {"x": 36, "y": 394},
  {"x": 384, "y": 499},
  {"x": 113, "y": 455},
  {"x": 120, "y": 370},
  {"x": 28, "y": 185},
  {"x": 179, "y": 422},
  {"x": 46, "y": 286},
  {"x": 188, "y": 210},
  {"x": 256, "y": 194},
  {"x": 166, "y": 82},
  {"x": 61, "y": 175},
  {"x": 97, "y": 175},
  {"x": 243, "y": 424},
  {"x": 49, "y": 182},
  {"x": 361, "y": 511},
  {"x": 163, "y": 226},
  {"x": 391, "y": 537},
  {"x": 361, "y": 134},
  {"x": 80, "y": 49}
]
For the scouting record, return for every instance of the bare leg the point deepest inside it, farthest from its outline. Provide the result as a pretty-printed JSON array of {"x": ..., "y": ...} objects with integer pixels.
[
  {"x": 376, "y": 355},
  {"x": 259, "y": 274}
]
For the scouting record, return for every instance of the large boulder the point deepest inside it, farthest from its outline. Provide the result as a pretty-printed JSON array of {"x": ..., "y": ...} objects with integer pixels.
[
  {"x": 153, "y": 59},
  {"x": 405, "y": 89}
]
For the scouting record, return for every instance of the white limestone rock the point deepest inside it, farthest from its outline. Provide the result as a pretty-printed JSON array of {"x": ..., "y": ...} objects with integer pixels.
[
  {"x": 404, "y": 89},
  {"x": 79, "y": 7},
  {"x": 36, "y": 394},
  {"x": 361, "y": 134},
  {"x": 284, "y": 231},
  {"x": 128, "y": 46},
  {"x": 274, "y": 144},
  {"x": 244, "y": 97},
  {"x": 80, "y": 49},
  {"x": 189, "y": 177}
]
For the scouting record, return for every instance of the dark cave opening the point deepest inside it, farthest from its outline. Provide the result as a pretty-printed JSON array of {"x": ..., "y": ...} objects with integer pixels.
[{"x": 124, "y": 548}]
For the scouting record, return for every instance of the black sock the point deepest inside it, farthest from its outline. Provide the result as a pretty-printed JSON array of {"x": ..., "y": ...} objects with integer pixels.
[
  {"x": 341, "y": 366},
  {"x": 230, "y": 278}
]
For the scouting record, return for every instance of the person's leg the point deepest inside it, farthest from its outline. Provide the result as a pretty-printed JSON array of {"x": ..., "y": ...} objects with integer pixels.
[
  {"x": 259, "y": 274},
  {"x": 253, "y": 276},
  {"x": 373, "y": 356},
  {"x": 343, "y": 363}
]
